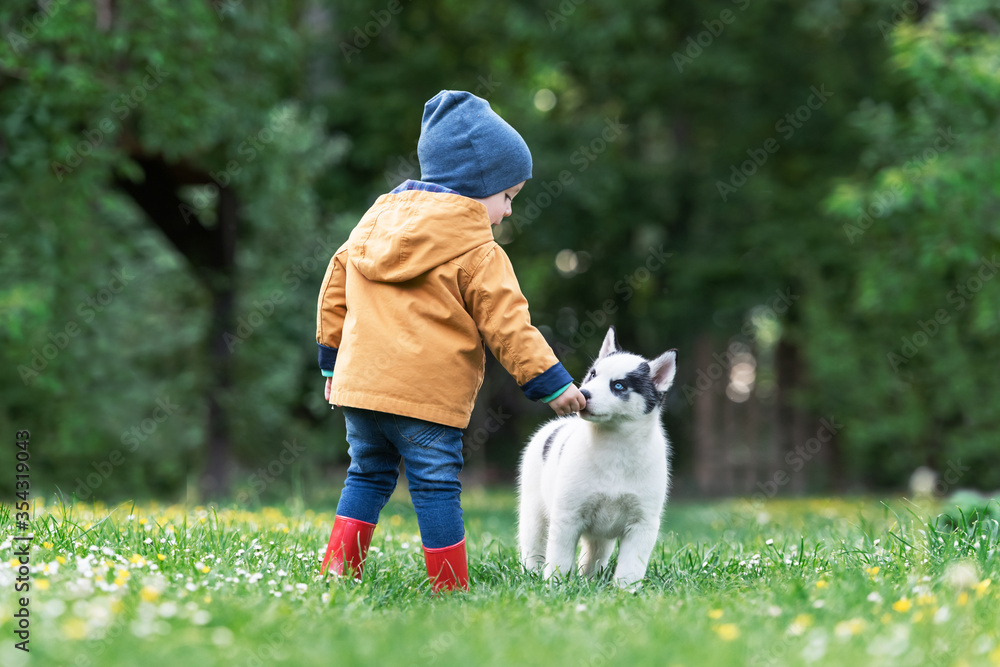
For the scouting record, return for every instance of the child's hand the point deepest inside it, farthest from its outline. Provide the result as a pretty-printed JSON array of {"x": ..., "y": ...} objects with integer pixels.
[
  {"x": 569, "y": 402},
  {"x": 329, "y": 384}
]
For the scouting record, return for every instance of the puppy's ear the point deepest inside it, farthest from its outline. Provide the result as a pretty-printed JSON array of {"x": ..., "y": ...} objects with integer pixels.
[
  {"x": 610, "y": 344},
  {"x": 662, "y": 369}
]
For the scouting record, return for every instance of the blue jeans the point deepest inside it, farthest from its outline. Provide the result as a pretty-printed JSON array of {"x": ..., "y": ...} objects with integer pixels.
[{"x": 433, "y": 456}]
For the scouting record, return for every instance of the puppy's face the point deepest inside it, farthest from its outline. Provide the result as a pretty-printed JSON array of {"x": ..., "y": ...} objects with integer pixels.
[{"x": 623, "y": 386}]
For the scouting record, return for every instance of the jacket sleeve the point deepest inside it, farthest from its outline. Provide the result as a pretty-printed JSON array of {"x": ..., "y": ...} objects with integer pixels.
[
  {"x": 495, "y": 301},
  {"x": 331, "y": 310}
]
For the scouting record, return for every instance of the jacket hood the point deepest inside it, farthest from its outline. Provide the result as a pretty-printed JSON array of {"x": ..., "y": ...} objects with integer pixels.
[{"x": 404, "y": 235}]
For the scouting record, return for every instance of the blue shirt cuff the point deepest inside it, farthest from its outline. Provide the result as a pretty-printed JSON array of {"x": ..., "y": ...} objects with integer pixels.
[
  {"x": 547, "y": 383},
  {"x": 557, "y": 394},
  {"x": 327, "y": 357}
]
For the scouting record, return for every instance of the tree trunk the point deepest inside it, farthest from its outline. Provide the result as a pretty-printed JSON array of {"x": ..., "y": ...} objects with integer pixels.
[
  {"x": 215, "y": 480},
  {"x": 211, "y": 254},
  {"x": 705, "y": 451}
]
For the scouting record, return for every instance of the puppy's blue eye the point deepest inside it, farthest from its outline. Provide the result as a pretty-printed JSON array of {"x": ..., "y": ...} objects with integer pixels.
[{"x": 618, "y": 386}]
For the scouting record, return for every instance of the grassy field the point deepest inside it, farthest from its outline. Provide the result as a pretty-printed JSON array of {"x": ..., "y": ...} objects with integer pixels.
[{"x": 824, "y": 582}]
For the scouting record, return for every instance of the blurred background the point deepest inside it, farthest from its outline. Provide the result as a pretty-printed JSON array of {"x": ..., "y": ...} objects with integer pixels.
[{"x": 802, "y": 198}]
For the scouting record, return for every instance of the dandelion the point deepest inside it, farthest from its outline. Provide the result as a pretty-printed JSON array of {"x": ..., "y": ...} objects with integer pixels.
[
  {"x": 715, "y": 614},
  {"x": 982, "y": 586},
  {"x": 847, "y": 629},
  {"x": 872, "y": 571},
  {"x": 137, "y": 560},
  {"x": 161, "y": 557},
  {"x": 47, "y": 545},
  {"x": 800, "y": 624},
  {"x": 902, "y": 605},
  {"x": 822, "y": 583},
  {"x": 727, "y": 631}
]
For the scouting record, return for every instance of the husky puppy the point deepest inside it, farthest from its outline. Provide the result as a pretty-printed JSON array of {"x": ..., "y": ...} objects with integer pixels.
[{"x": 603, "y": 477}]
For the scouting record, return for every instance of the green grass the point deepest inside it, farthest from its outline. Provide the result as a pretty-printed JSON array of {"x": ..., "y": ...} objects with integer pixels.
[{"x": 810, "y": 581}]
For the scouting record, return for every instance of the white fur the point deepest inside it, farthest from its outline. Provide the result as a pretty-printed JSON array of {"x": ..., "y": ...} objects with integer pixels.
[{"x": 609, "y": 482}]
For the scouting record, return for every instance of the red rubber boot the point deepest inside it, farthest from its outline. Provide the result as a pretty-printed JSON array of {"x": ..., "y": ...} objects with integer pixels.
[
  {"x": 448, "y": 567},
  {"x": 348, "y": 545}
]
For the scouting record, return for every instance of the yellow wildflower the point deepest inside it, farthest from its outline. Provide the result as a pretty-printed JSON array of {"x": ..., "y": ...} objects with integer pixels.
[
  {"x": 42, "y": 584},
  {"x": 727, "y": 631},
  {"x": 982, "y": 586},
  {"x": 963, "y": 599},
  {"x": 805, "y": 620},
  {"x": 161, "y": 557},
  {"x": 715, "y": 613},
  {"x": 822, "y": 583},
  {"x": 149, "y": 594},
  {"x": 925, "y": 599},
  {"x": 872, "y": 571},
  {"x": 47, "y": 545},
  {"x": 902, "y": 605},
  {"x": 74, "y": 629}
]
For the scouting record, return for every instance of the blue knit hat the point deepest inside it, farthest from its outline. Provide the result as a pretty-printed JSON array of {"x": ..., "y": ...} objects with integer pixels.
[{"x": 464, "y": 145}]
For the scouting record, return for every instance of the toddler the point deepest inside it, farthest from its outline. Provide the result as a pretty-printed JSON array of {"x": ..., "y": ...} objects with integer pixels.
[{"x": 405, "y": 309}]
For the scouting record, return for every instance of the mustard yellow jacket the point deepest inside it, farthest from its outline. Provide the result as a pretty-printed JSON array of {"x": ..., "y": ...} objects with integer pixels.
[{"x": 408, "y": 303}]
